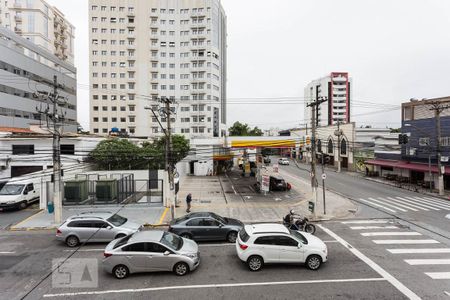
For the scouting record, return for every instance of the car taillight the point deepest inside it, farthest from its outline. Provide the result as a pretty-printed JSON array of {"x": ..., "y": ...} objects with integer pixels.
[
  {"x": 107, "y": 254},
  {"x": 243, "y": 247},
  {"x": 58, "y": 231}
]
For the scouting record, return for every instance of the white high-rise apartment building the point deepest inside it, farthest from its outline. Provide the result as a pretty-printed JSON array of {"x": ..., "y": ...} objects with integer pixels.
[
  {"x": 144, "y": 50},
  {"x": 337, "y": 88},
  {"x": 44, "y": 25}
]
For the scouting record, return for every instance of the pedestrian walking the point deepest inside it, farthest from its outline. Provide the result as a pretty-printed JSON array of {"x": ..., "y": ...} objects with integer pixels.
[{"x": 188, "y": 202}]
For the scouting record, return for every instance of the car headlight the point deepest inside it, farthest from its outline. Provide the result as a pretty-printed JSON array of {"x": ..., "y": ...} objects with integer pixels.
[{"x": 191, "y": 255}]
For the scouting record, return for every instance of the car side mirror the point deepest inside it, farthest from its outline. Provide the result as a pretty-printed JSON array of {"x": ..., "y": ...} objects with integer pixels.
[
  {"x": 109, "y": 227},
  {"x": 166, "y": 253},
  {"x": 220, "y": 225},
  {"x": 25, "y": 192}
]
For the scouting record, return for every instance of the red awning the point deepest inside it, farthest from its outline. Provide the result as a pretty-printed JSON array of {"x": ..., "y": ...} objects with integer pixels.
[{"x": 405, "y": 165}]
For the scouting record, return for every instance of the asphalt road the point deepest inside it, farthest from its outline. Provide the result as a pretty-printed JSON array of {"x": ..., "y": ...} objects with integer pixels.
[
  {"x": 421, "y": 210},
  {"x": 12, "y": 217},
  {"x": 357, "y": 269}
]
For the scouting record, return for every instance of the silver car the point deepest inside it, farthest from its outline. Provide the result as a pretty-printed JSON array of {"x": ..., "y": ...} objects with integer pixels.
[
  {"x": 95, "y": 227},
  {"x": 151, "y": 251}
]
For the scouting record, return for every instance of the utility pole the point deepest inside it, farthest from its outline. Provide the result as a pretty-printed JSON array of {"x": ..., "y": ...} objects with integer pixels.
[
  {"x": 338, "y": 133},
  {"x": 438, "y": 108},
  {"x": 314, "y": 105},
  {"x": 56, "y": 119}
]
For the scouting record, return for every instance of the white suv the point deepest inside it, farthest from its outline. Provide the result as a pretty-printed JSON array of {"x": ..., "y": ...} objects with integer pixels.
[{"x": 273, "y": 243}]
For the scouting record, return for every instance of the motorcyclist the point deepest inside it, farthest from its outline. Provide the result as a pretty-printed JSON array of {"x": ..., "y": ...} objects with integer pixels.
[{"x": 289, "y": 218}]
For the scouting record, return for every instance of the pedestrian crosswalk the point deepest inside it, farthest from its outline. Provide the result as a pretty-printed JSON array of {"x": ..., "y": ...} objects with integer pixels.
[
  {"x": 407, "y": 203},
  {"x": 406, "y": 244}
]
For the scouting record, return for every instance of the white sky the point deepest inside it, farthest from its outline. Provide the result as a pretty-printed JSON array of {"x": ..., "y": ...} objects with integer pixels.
[{"x": 393, "y": 50}]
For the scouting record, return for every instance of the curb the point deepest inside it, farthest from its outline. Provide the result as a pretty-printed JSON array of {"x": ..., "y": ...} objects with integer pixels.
[
  {"x": 33, "y": 228},
  {"x": 16, "y": 228}
]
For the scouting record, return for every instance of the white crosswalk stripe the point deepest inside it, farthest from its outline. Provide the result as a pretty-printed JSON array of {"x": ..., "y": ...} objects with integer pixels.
[
  {"x": 388, "y": 204},
  {"x": 417, "y": 203},
  {"x": 377, "y": 205},
  {"x": 366, "y": 222},
  {"x": 390, "y": 233},
  {"x": 439, "y": 275},
  {"x": 428, "y": 261},
  {"x": 372, "y": 227},
  {"x": 433, "y": 203},
  {"x": 419, "y": 251},
  {"x": 408, "y": 204},
  {"x": 392, "y": 242},
  {"x": 439, "y": 201}
]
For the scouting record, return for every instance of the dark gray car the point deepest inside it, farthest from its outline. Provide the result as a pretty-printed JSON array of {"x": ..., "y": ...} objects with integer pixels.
[{"x": 206, "y": 226}]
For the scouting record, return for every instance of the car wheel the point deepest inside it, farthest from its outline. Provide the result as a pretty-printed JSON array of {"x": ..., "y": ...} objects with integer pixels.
[
  {"x": 310, "y": 228},
  {"x": 186, "y": 235},
  {"x": 23, "y": 205},
  {"x": 313, "y": 262},
  {"x": 121, "y": 271},
  {"x": 72, "y": 241},
  {"x": 232, "y": 236},
  {"x": 255, "y": 263},
  {"x": 181, "y": 268},
  {"x": 120, "y": 235}
]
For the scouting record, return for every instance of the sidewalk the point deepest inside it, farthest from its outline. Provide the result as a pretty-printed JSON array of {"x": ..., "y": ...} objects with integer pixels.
[
  {"x": 142, "y": 214},
  {"x": 233, "y": 196}
]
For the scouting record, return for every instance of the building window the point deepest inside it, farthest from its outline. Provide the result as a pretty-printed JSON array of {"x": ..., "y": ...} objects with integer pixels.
[
  {"x": 330, "y": 146},
  {"x": 343, "y": 147},
  {"x": 22, "y": 149}
]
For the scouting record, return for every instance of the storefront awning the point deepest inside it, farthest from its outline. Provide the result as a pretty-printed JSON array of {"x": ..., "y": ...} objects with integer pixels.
[
  {"x": 405, "y": 165},
  {"x": 263, "y": 143}
]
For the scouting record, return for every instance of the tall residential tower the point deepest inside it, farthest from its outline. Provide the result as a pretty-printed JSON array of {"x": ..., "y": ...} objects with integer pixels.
[
  {"x": 145, "y": 50},
  {"x": 337, "y": 88}
]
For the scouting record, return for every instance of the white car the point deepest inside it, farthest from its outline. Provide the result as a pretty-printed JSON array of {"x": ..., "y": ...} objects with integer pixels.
[
  {"x": 259, "y": 244},
  {"x": 283, "y": 161}
]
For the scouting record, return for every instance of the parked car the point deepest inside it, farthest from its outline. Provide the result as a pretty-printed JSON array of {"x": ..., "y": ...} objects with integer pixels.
[
  {"x": 18, "y": 194},
  {"x": 261, "y": 244},
  {"x": 277, "y": 183},
  {"x": 95, "y": 227},
  {"x": 150, "y": 251},
  {"x": 206, "y": 226},
  {"x": 283, "y": 161}
]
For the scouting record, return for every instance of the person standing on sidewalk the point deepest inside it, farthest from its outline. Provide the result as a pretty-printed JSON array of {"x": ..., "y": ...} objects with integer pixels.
[{"x": 188, "y": 202}]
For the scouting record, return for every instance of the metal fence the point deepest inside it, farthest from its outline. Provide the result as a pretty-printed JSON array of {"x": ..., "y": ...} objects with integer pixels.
[{"x": 94, "y": 189}]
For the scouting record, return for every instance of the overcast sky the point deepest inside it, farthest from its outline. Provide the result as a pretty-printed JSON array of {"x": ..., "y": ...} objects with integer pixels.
[{"x": 393, "y": 50}]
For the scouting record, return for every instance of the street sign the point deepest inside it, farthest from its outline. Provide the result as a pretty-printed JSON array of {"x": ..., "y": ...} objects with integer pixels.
[
  {"x": 444, "y": 158},
  {"x": 324, "y": 176},
  {"x": 265, "y": 183},
  {"x": 311, "y": 206}
]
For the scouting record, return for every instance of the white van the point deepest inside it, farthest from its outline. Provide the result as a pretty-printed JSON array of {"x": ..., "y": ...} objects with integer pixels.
[{"x": 18, "y": 194}]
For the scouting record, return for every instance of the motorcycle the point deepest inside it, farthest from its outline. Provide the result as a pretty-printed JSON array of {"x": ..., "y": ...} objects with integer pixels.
[{"x": 301, "y": 224}]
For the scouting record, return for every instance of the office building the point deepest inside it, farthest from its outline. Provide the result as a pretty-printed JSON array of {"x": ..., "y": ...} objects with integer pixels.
[
  {"x": 337, "y": 89},
  {"x": 145, "y": 50}
]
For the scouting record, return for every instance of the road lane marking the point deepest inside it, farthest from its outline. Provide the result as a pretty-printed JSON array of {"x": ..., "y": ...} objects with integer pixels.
[
  {"x": 429, "y": 204},
  {"x": 439, "y": 275},
  {"x": 387, "y": 204},
  {"x": 428, "y": 261},
  {"x": 441, "y": 201},
  {"x": 391, "y": 279},
  {"x": 373, "y": 227},
  {"x": 387, "y": 242},
  {"x": 163, "y": 215},
  {"x": 418, "y": 251},
  {"x": 409, "y": 204},
  {"x": 218, "y": 285},
  {"x": 416, "y": 203},
  {"x": 7, "y": 252},
  {"x": 377, "y": 205},
  {"x": 448, "y": 294},
  {"x": 366, "y": 222},
  {"x": 332, "y": 241},
  {"x": 433, "y": 203},
  {"x": 390, "y": 200},
  {"x": 397, "y": 233}
]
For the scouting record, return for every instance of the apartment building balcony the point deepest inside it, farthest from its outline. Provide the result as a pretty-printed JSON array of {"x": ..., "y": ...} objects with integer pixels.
[
  {"x": 131, "y": 47},
  {"x": 18, "y": 30},
  {"x": 131, "y": 58},
  {"x": 198, "y": 15},
  {"x": 18, "y": 19},
  {"x": 339, "y": 79},
  {"x": 131, "y": 14},
  {"x": 198, "y": 25},
  {"x": 198, "y": 58}
]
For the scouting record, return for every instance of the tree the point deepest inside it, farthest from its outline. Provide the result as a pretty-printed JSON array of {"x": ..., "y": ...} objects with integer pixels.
[
  {"x": 156, "y": 150},
  {"x": 116, "y": 154},
  {"x": 242, "y": 129}
]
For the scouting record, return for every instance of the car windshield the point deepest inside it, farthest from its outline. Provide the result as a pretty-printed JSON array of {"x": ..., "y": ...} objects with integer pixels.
[
  {"x": 172, "y": 241},
  {"x": 122, "y": 241},
  {"x": 219, "y": 218},
  {"x": 12, "y": 189},
  {"x": 299, "y": 236},
  {"x": 117, "y": 220}
]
